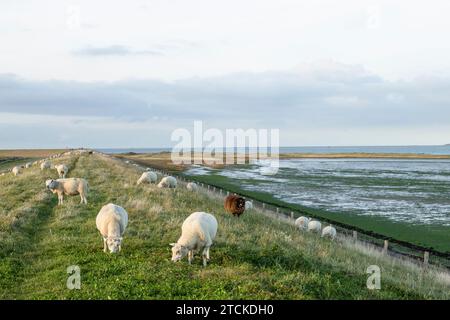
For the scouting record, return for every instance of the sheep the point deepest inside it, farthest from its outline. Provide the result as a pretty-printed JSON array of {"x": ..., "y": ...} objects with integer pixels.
[
  {"x": 28, "y": 165},
  {"x": 16, "y": 170},
  {"x": 197, "y": 233},
  {"x": 62, "y": 170},
  {"x": 302, "y": 223},
  {"x": 192, "y": 186},
  {"x": 314, "y": 226},
  {"x": 45, "y": 165},
  {"x": 235, "y": 205},
  {"x": 111, "y": 221},
  {"x": 329, "y": 232},
  {"x": 147, "y": 177},
  {"x": 248, "y": 205},
  {"x": 69, "y": 186},
  {"x": 168, "y": 182}
]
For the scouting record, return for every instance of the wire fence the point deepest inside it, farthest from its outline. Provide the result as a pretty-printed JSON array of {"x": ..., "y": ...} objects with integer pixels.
[{"x": 396, "y": 248}]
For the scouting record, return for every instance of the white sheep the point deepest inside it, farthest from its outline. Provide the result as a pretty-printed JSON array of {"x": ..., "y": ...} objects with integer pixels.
[
  {"x": 148, "y": 177},
  {"x": 62, "y": 170},
  {"x": 197, "y": 233},
  {"x": 168, "y": 182},
  {"x": 112, "y": 221},
  {"x": 45, "y": 165},
  {"x": 16, "y": 170},
  {"x": 28, "y": 165},
  {"x": 70, "y": 187},
  {"x": 314, "y": 226},
  {"x": 302, "y": 223},
  {"x": 329, "y": 232},
  {"x": 248, "y": 205},
  {"x": 192, "y": 186}
]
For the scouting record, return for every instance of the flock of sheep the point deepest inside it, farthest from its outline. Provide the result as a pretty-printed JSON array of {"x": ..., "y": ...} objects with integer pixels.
[{"x": 198, "y": 231}]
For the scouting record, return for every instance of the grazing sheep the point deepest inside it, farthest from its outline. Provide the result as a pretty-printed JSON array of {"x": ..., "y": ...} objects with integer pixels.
[
  {"x": 197, "y": 233},
  {"x": 192, "y": 186},
  {"x": 148, "y": 177},
  {"x": 329, "y": 232},
  {"x": 302, "y": 223},
  {"x": 45, "y": 165},
  {"x": 70, "y": 187},
  {"x": 16, "y": 170},
  {"x": 62, "y": 170},
  {"x": 248, "y": 205},
  {"x": 314, "y": 226},
  {"x": 28, "y": 165},
  {"x": 235, "y": 205},
  {"x": 111, "y": 221},
  {"x": 168, "y": 182}
]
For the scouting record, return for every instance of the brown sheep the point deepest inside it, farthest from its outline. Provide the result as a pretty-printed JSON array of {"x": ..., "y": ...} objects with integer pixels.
[{"x": 235, "y": 205}]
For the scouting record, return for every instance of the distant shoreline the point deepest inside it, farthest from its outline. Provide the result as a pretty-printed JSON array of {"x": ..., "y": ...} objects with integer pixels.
[{"x": 361, "y": 156}]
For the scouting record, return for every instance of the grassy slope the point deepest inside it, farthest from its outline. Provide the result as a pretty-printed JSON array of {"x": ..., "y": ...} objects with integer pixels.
[{"x": 253, "y": 257}]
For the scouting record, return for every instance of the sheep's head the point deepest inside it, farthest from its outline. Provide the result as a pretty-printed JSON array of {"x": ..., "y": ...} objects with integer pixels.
[
  {"x": 178, "y": 252},
  {"x": 114, "y": 244},
  {"x": 51, "y": 184}
]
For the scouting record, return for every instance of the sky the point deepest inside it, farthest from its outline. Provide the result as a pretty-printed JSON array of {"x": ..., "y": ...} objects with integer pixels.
[{"x": 127, "y": 74}]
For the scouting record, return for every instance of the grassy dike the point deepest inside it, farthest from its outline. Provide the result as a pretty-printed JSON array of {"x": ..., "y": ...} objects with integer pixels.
[{"x": 254, "y": 257}]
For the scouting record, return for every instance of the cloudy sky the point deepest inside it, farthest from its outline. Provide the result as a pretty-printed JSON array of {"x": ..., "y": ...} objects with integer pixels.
[{"x": 126, "y": 74}]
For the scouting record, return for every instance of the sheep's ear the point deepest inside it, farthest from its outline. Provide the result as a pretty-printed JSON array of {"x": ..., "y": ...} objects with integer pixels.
[{"x": 172, "y": 244}]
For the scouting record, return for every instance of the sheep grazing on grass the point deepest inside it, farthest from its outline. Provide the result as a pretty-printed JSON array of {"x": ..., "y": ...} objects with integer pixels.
[
  {"x": 248, "y": 205},
  {"x": 28, "y": 165},
  {"x": 112, "y": 221},
  {"x": 62, "y": 170},
  {"x": 70, "y": 187},
  {"x": 314, "y": 226},
  {"x": 45, "y": 165},
  {"x": 192, "y": 186},
  {"x": 168, "y": 182},
  {"x": 16, "y": 170},
  {"x": 197, "y": 233},
  {"x": 235, "y": 205},
  {"x": 329, "y": 232},
  {"x": 302, "y": 223},
  {"x": 148, "y": 177}
]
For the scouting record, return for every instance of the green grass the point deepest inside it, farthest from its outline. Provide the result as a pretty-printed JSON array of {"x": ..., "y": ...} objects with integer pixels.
[
  {"x": 435, "y": 237},
  {"x": 254, "y": 257}
]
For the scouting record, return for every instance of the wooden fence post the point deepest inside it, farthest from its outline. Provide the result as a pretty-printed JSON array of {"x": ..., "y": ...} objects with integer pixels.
[
  {"x": 426, "y": 257},
  {"x": 386, "y": 246}
]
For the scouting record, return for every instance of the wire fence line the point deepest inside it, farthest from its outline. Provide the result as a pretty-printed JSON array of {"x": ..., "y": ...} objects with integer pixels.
[{"x": 396, "y": 248}]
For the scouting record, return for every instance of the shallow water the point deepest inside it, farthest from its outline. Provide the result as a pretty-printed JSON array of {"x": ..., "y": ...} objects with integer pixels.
[{"x": 412, "y": 191}]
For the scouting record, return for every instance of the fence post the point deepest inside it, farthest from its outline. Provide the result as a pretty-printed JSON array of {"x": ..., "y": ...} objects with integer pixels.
[
  {"x": 278, "y": 210},
  {"x": 426, "y": 257},
  {"x": 292, "y": 215},
  {"x": 264, "y": 206},
  {"x": 386, "y": 246},
  {"x": 355, "y": 235}
]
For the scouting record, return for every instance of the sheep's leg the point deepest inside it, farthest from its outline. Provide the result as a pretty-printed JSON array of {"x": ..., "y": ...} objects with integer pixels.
[
  {"x": 190, "y": 256},
  {"x": 207, "y": 254},
  {"x": 105, "y": 246}
]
